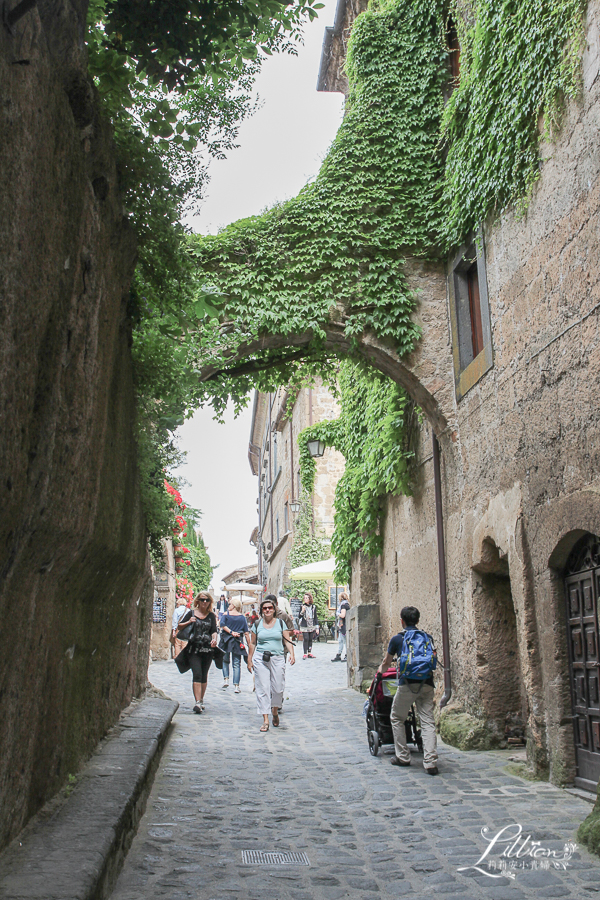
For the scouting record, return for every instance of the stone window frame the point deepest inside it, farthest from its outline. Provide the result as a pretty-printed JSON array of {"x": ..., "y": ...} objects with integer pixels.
[{"x": 468, "y": 373}]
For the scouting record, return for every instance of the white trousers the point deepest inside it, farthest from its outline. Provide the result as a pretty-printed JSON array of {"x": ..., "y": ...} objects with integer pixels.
[
  {"x": 269, "y": 678},
  {"x": 422, "y": 696}
]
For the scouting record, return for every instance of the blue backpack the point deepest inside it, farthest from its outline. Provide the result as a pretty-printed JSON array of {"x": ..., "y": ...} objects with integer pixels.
[{"x": 418, "y": 658}]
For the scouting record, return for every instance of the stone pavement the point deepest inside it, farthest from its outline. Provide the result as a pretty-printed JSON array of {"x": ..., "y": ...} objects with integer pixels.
[{"x": 370, "y": 831}]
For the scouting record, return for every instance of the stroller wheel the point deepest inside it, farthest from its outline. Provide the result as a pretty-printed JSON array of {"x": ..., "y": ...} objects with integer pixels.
[{"x": 373, "y": 739}]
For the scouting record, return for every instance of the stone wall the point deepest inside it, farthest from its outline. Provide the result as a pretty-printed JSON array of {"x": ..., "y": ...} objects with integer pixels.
[
  {"x": 74, "y": 575},
  {"x": 520, "y": 456},
  {"x": 165, "y": 585}
]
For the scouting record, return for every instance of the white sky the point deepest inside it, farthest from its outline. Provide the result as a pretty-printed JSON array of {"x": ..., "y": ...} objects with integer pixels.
[{"x": 281, "y": 148}]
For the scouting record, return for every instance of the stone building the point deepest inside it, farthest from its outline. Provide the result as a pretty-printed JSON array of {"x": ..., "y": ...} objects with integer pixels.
[
  {"x": 515, "y": 410},
  {"x": 277, "y": 420}
]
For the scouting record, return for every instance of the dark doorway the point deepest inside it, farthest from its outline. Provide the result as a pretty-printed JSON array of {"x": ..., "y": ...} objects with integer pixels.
[
  {"x": 582, "y": 587},
  {"x": 498, "y": 665}
]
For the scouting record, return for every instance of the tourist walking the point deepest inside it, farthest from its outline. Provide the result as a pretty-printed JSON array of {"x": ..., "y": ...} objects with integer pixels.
[
  {"x": 180, "y": 609},
  {"x": 199, "y": 626},
  {"x": 417, "y": 659},
  {"x": 234, "y": 631},
  {"x": 309, "y": 624},
  {"x": 222, "y": 607},
  {"x": 342, "y": 612},
  {"x": 266, "y": 659}
]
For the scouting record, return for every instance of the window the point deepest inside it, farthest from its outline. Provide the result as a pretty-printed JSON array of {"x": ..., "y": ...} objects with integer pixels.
[
  {"x": 469, "y": 315},
  {"x": 286, "y": 518},
  {"x": 274, "y": 456},
  {"x": 276, "y": 529}
]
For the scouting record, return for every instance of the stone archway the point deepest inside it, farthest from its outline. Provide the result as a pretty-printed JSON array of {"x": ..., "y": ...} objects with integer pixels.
[{"x": 426, "y": 373}]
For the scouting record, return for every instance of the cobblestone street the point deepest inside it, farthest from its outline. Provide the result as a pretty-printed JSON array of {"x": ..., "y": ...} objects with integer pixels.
[{"x": 369, "y": 830}]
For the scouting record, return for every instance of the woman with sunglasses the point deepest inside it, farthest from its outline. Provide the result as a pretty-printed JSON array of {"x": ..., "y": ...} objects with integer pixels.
[
  {"x": 201, "y": 644},
  {"x": 267, "y": 661}
]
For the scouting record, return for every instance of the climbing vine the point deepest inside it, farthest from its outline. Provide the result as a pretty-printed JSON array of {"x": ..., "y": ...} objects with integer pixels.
[
  {"x": 335, "y": 253},
  {"x": 372, "y": 433},
  {"x": 519, "y": 60},
  {"x": 418, "y": 164}
]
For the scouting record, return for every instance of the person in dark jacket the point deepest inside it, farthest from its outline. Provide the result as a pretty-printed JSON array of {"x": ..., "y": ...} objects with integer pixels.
[
  {"x": 201, "y": 644},
  {"x": 309, "y": 624}
]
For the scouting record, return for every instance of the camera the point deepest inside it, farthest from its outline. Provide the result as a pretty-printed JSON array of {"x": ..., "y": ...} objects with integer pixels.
[{"x": 267, "y": 655}]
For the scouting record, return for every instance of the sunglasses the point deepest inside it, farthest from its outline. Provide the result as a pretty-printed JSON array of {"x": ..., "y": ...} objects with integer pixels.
[{"x": 265, "y": 608}]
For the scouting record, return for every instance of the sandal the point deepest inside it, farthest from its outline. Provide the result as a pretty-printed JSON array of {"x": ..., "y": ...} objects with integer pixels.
[
  {"x": 276, "y": 721},
  {"x": 264, "y": 726}
]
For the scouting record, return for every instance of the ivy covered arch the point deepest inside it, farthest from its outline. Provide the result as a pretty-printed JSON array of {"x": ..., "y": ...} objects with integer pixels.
[{"x": 414, "y": 168}]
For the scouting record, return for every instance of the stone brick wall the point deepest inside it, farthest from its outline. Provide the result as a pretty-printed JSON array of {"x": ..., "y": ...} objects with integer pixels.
[
  {"x": 521, "y": 453},
  {"x": 74, "y": 576}
]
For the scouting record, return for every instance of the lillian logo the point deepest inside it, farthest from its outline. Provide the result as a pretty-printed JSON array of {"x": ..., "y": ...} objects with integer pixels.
[{"x": 519, "y": 852}]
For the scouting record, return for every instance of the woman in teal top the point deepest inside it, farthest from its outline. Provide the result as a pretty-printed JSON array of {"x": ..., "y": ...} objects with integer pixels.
[{"x": 266, "y": 659}]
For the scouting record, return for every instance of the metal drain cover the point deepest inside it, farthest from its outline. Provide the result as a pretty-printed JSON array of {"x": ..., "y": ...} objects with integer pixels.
[{"x": 281, "y": 858}]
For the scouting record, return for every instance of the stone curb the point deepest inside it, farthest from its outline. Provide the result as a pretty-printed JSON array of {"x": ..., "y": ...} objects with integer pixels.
[{"x": 74, "y": 850}]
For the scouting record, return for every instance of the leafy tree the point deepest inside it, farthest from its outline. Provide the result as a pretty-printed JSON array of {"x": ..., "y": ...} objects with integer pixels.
[{"x": 200, "y": 571}]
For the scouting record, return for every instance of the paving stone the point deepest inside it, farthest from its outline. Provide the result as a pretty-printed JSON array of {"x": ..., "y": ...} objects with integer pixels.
[{"x": 370, "y": 831}]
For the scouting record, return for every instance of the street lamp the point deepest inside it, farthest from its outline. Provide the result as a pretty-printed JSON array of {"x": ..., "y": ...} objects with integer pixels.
[
  {"x": 316, "y": 448},
  {"x": 295, "y": 506}
]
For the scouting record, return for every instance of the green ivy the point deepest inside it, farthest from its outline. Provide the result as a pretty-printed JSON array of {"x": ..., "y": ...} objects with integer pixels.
[
  {"x": 372, "y": 433},
  {"x": 519, "y": 60},
  {"x": 414, "y": 169},
  {"x": 336, "y": 251}
]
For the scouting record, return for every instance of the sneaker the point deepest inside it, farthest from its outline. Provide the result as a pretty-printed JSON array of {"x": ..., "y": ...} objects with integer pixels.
[
  {"x": 202, "y": 705},
  {"x": 226, "y": 683},
  {"x": 237, "y": 689},
  {"x": 432, "y": 770},
  {"x": 197, "y": 708},
  {"x": 305, "y": 656},
  {"x": 344, "y": 659},
  {"x": 337, "y": 658},
  {"x": 398, "y": 762},
  {"x": 311, "y": 656}
]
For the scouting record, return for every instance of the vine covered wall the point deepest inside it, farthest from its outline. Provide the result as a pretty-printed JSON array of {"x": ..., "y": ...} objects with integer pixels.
[{"x": 418, "y": 163}]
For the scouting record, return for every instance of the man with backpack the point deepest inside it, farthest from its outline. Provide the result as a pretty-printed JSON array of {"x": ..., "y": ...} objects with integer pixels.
[{"x": 417, "y": 659}]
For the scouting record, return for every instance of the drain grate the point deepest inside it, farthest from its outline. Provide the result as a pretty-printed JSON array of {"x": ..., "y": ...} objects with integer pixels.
[{"x": 281, "y": 858}]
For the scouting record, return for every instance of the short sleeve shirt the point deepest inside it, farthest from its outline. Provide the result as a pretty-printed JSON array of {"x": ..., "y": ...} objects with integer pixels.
[
  {"x": 342, "y": 622},
  {"x": 395, "y": 649}
]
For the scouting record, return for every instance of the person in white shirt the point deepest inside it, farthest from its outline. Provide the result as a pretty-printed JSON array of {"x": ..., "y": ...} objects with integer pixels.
[{"x": 179, "y": 610}]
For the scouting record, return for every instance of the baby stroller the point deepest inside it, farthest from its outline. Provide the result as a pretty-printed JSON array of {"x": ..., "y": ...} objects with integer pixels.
[{"x": 379, "y": 727}]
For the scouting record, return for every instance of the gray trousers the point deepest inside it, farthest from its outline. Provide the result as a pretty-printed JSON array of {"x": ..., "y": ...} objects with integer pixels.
[
  {"x": 422, "y": 696},
  {"x": 342, "y": 645},
  {"x": 269, "y": 679}
]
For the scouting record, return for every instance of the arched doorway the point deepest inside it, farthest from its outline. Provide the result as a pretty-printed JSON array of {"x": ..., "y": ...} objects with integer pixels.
[{"x": 582, "y": 589}]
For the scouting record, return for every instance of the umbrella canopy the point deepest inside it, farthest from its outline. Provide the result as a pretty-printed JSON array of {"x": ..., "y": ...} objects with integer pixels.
[
  {"x": 318, "y": 571},
  {"x": 243, "y": 586}
]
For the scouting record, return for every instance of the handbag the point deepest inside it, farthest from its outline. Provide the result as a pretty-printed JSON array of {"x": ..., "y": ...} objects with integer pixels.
[
  {"x": 186, "y": 633},
  {"x": 182, "y": 661}
]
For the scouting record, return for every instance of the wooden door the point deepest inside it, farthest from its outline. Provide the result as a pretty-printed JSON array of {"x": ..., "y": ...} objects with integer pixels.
[{"x": 582, "y": 588}]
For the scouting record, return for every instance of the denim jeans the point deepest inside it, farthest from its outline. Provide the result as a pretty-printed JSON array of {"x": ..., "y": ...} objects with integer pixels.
[
  {"x": 236, "y": 662},
  {"x": 342, "y": 645}
]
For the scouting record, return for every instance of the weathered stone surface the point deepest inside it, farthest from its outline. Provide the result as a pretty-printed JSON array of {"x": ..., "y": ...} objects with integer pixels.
[
  {"x": 520, "y": 453},
  {"x": 369, "y": 829},
  {"x": 75, "y": 848},
  {"x": 466, "y": 732},
  {"x": 73, "y": 569}
]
